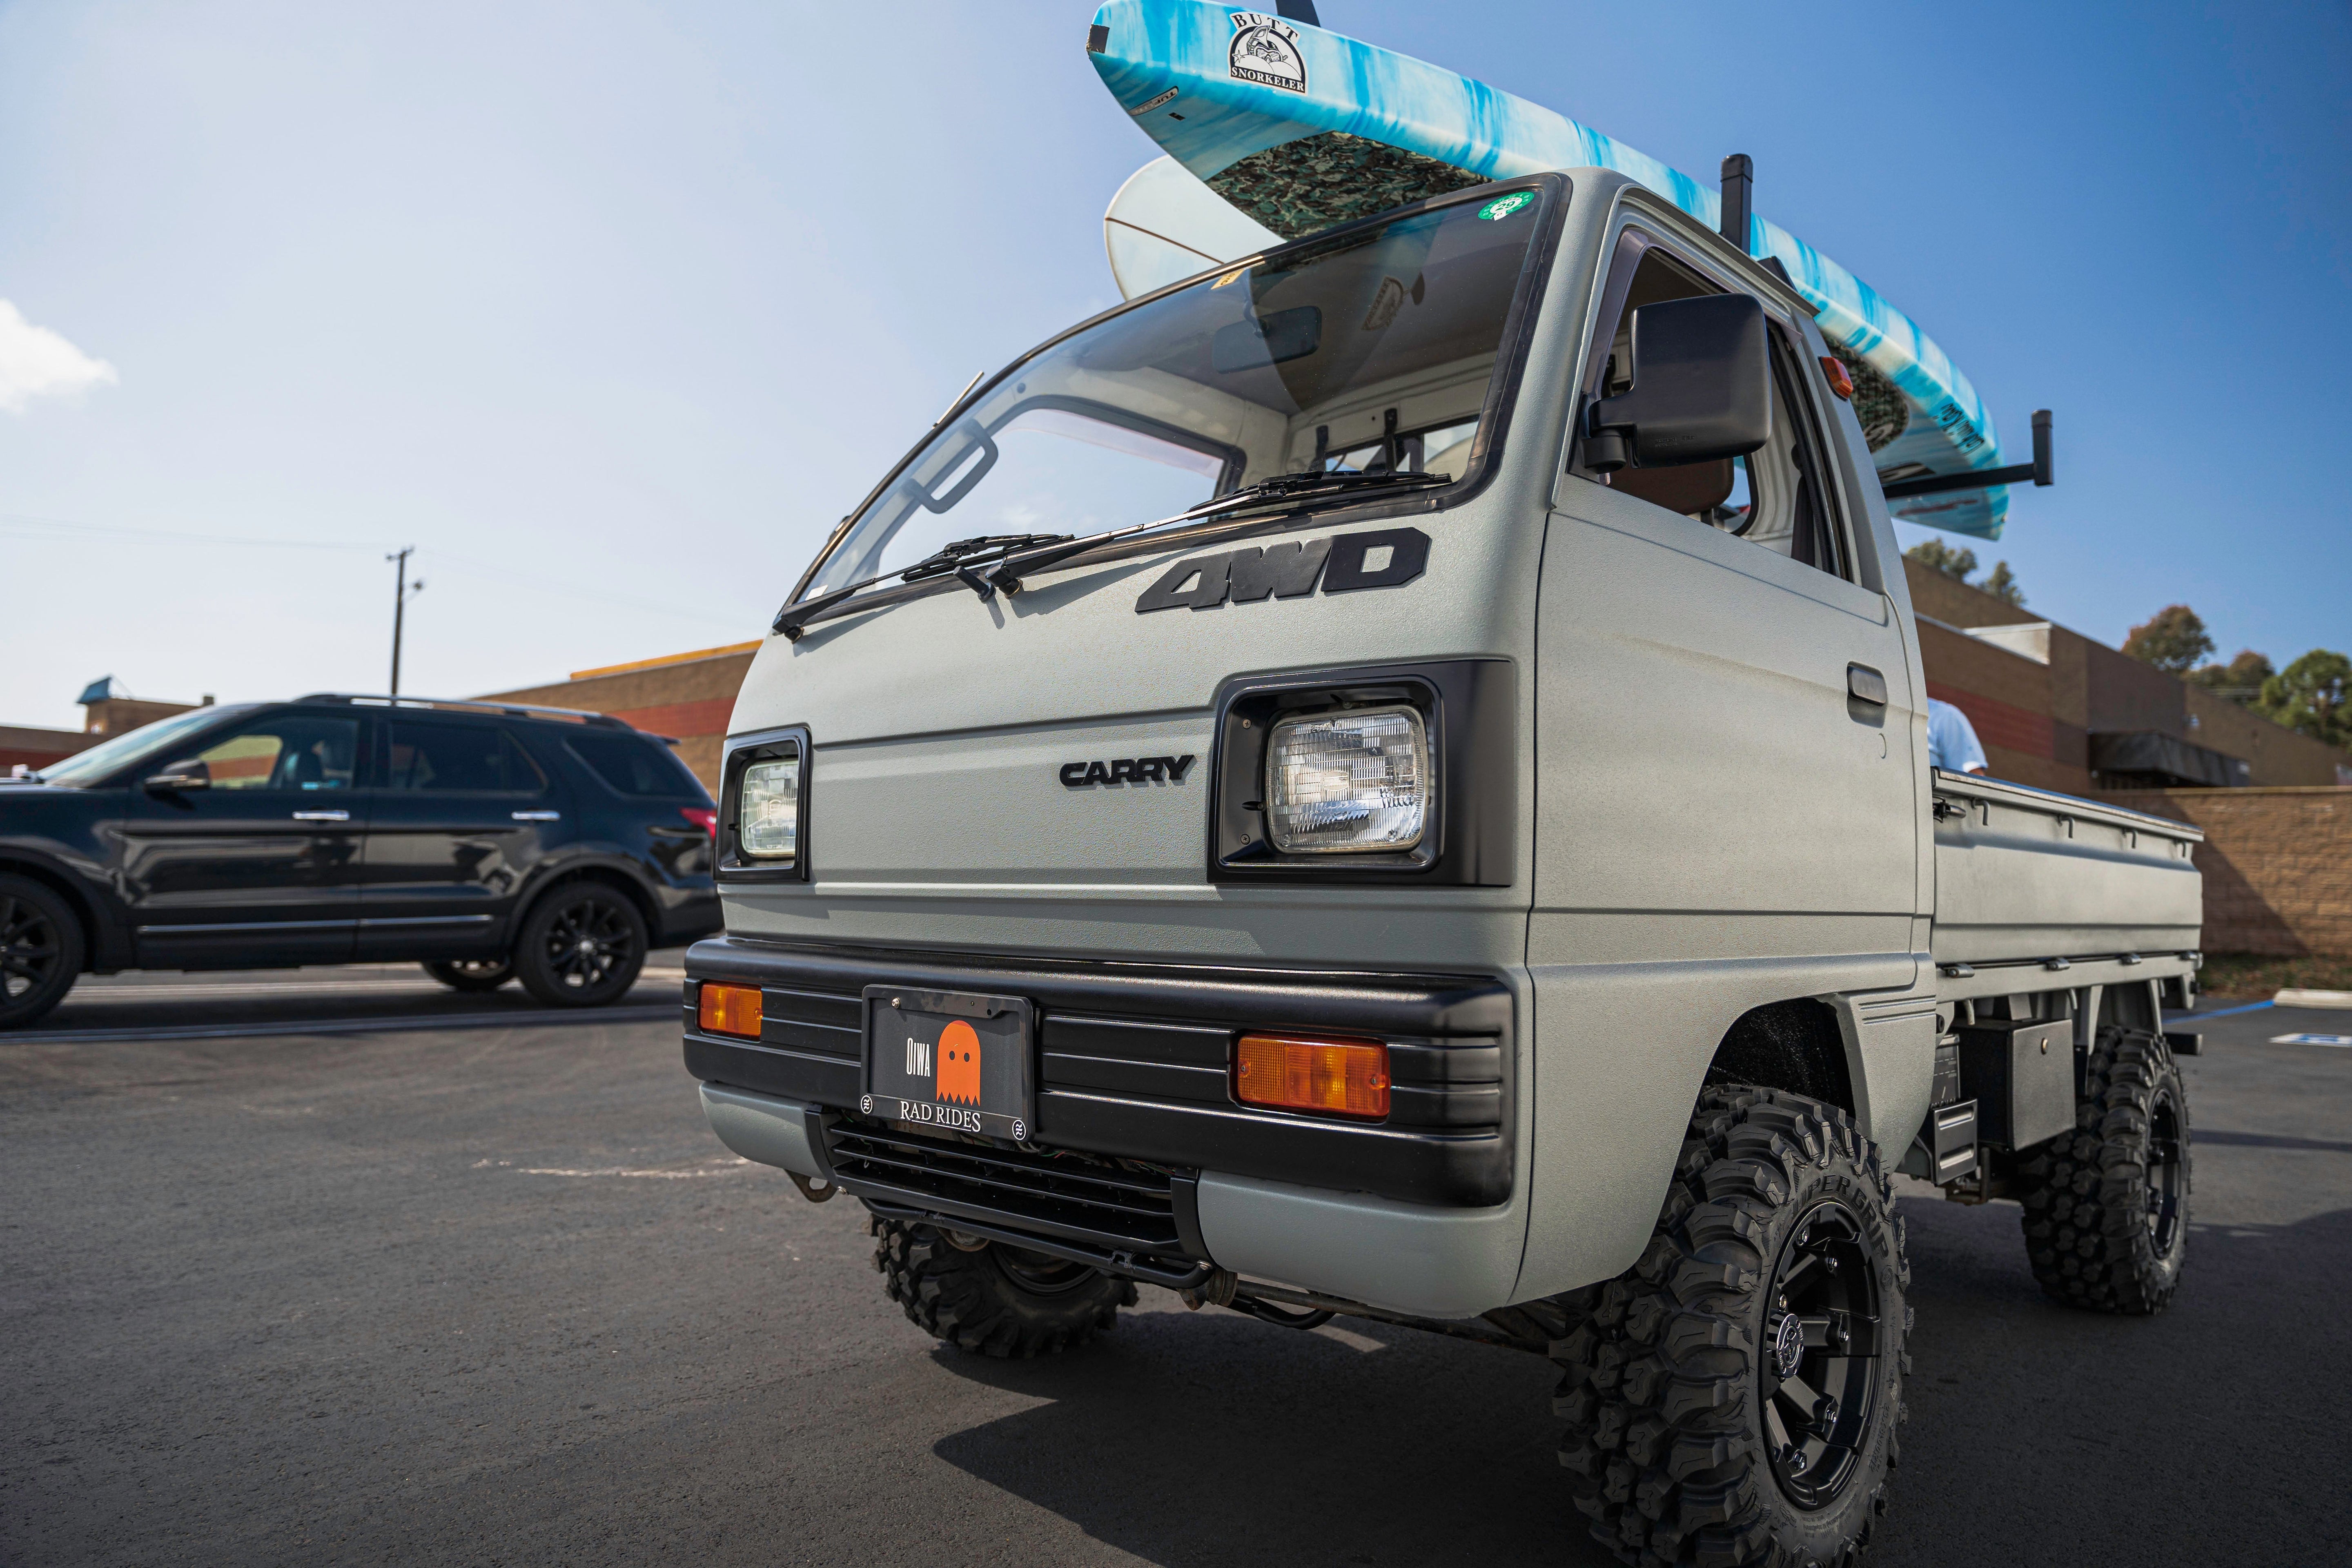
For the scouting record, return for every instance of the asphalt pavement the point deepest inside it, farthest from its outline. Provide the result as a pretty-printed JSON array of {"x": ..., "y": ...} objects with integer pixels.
[{"x": 480, "y": 1287}]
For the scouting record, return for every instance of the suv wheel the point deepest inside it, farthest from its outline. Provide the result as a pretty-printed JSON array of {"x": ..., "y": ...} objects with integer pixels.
[
  {"x": 990, "y": 1298},
  {"x": 471, "y": 974},
  {"x": 580, "y": 946},
  {"x": 40, "y": 950},
  {"x": 1733, "y": 1397}
]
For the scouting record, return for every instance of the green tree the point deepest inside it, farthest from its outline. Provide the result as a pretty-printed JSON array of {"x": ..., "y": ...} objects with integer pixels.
[
  {"x": 2173, "y": 639},
  {"x": 2313, "y": 695},
  {"x": 1938, "y": 556},
  {"x": 2240, "y": 680},
  {"x": 2002, "y": 585}
]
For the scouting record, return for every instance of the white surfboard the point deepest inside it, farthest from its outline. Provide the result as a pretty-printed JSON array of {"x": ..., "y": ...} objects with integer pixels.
[{"x": 1165, "y": 224}]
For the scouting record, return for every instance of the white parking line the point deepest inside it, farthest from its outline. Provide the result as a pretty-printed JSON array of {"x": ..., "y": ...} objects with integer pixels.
[{"x": 2311, "y": 1040}]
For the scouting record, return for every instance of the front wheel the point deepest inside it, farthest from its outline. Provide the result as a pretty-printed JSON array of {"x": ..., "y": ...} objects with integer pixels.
[
  {"x": 1733, "y": 1397},
  {"x": 40, "y": 950},
  {"x": 991, "y": 1298},
  {"x": 472, "y": 974},
  {"x": 580, "y": 946}
]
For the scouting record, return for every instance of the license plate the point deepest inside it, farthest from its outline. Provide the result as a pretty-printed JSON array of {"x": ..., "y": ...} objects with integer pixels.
[{"x": 951, "y": 1059}]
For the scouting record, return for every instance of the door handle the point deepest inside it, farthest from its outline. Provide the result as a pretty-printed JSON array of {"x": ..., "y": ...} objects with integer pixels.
[
  {"x": 1864, "y": 684},
  {"x": 537, "y": 815},
  {"x": 322, "y": 816}
]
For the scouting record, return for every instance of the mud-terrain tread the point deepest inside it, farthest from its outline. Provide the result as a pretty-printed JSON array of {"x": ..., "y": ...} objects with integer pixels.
[
  {"x": 2083, "y": 1192},
  {"x": 964, "y": 1298},
  {"x": 1657, "y": 1377}
]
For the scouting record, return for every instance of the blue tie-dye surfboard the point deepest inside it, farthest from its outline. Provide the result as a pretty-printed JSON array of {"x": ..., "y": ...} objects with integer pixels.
[{"x": 1300, "y": 128}]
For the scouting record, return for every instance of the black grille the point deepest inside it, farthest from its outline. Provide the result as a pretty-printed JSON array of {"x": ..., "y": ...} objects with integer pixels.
[{"x": 1121, "y": 1207}]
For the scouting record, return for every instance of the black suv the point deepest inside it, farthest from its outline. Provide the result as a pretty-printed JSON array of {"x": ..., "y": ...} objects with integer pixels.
[{"x": 487, "y": 842}]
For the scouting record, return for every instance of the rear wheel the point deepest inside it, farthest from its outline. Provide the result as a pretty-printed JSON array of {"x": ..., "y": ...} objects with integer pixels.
[
  {"x": 1733, "y": 1398},
  {"x": 580, "y": 946},
  {"x": 470, "y": 974},
  {"x": 2106, "y": 1206},
  {"x": 40, "y": 950},
  {"x": 991, "y": 1298}
]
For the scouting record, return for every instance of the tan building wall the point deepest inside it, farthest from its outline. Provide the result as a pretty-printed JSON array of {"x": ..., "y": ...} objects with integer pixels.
[
  {"x": 2036, "y": 712},
  {"x": 2277, "y": 865},
  {"x": 688, "y": 696}
]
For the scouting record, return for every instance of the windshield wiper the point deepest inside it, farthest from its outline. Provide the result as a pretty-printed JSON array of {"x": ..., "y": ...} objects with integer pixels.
[
  {"x": 955, "y": 558},
  {"x": 1282, "y": 486},
  {"x": 1020, "y": 553}
]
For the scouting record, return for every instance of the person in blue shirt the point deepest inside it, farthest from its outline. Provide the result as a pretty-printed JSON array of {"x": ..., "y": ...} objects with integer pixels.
[{"x": 1952, "y": 741}]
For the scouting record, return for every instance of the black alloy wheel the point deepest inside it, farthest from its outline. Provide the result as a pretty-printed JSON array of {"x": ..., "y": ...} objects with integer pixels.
[
  {"x": 40, "y": 950},
  {"x": 1820, "y": 1375},
  {"x": 2166, "y": 1198},
  {"x": 2106, "y": 1206},
  {"x": 1733, "y": 1398},
  {"x": 475, "y": 974},
  {"x": 580, "y": 946}
]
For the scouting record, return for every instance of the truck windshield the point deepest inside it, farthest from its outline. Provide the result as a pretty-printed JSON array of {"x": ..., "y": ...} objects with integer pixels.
[{"x": 1365, "y": 351}]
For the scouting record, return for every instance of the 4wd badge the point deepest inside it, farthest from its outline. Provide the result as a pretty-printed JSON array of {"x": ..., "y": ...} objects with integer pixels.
[{"x": 1266, "y": 50}]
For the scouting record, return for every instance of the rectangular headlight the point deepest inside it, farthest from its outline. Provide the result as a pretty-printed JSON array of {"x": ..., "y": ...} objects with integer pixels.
[
  {"x": 1357, "y": 781},
  {"x": 768, "y": 811}
]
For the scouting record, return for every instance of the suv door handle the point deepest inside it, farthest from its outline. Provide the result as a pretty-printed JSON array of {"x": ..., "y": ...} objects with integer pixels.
[
  {"x": 1864, "y": 684},
  {"x": 537, "y": 815},
  {"x": 322, "y": 816}
]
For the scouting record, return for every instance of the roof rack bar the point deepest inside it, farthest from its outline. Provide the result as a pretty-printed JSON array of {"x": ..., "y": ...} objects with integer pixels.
[{"x": 478, "y": 704}]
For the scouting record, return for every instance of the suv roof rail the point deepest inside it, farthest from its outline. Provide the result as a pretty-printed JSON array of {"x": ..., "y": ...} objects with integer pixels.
[{"x": 478, "y": 704}]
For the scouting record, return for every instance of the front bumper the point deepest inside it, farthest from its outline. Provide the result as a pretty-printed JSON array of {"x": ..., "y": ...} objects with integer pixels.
[{"x": 1134, "y": 1102}]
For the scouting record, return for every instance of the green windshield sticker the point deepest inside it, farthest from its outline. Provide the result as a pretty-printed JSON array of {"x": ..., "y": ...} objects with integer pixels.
[{"x": 1504, "y": 206}]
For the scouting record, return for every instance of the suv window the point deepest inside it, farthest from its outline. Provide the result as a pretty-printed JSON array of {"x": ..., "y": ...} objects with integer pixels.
[
  {"x": 292, "y": 752},
  {"x": 445, "y": 758},
  {"x": 1775, "y": 497},
  {"x": 636, "y": 765}
]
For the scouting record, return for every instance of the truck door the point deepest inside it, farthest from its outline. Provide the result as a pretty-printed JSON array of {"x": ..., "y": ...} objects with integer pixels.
[
  {"x": 1726, "y": 814},
  {"x": 257, "y": 863}
]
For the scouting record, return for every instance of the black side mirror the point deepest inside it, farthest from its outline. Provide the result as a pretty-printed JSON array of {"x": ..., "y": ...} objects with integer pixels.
[
  {"x": 190, "y": 775},
  {"x": 1702, "y": 387}
]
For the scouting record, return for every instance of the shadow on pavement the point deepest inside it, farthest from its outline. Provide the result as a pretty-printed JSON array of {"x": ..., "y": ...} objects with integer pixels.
[{"x": 2038, "y": 1434}]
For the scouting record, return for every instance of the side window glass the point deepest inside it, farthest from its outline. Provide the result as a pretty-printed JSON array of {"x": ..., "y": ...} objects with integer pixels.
[
  {"x": 448, "y": 759},
  {"x": 292, "y": 752},
  {"x": 1775, "y": 497},
  {"x": 634, "y": 765}
]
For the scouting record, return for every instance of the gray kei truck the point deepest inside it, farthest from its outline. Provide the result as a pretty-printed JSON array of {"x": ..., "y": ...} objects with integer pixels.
[{"x": 1390, "y": 779}]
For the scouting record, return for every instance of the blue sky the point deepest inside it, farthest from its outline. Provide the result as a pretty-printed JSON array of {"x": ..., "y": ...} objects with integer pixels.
[{"x": 612, "y": 310}]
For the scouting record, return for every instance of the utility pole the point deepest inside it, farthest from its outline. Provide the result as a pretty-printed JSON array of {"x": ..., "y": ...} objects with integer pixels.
[{"x": 403, "y": 591}]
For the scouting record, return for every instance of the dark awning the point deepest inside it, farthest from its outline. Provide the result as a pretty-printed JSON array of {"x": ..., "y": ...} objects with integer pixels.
[{"x": 2152, "y": 756}]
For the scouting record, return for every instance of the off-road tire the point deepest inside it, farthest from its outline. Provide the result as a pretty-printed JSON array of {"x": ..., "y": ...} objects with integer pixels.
[
  {"x": 553, "y": 965},
  {"x": 2106, "y": 1206},
  {"x": 41, "y": 950},
  {"x": 471, "y": 975},
  {"x": 998, "y": 1300},
  {"x": 1668, "y": 1448}
]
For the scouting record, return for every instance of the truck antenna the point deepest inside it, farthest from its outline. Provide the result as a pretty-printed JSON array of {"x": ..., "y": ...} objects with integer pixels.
[{"x": 1739, "y": 199}]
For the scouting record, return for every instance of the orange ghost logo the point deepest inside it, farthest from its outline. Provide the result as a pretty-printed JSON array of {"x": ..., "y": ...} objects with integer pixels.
[{"x": 959, "y": 1062}]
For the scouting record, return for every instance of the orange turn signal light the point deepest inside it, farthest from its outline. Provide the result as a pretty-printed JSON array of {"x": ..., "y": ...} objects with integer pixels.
[
  {"x": 1331, "y": 1078},
  {"x": 730, "y": 1010},
  {"x": 1841, "y": 379}
]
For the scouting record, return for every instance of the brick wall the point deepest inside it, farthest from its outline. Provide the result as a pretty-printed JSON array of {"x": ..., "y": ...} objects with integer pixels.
[
  {"x": 2277, "y": 865},
  {"x": 35, "y": 748},
  {"x": 689, "y": 698}
]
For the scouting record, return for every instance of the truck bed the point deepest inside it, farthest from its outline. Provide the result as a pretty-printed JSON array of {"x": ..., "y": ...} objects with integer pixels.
[{"x": 2025, "y": 874}]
